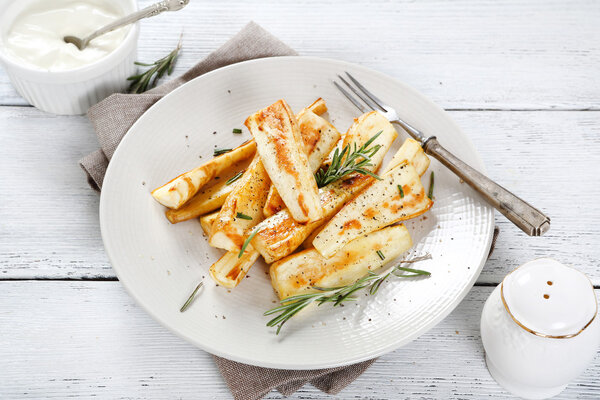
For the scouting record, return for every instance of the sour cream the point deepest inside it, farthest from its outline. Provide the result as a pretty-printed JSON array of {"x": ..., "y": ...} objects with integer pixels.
[{"x": 36, "y": 35}]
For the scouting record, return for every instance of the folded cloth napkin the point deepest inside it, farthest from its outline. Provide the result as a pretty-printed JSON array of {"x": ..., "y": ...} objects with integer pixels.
[{"x": 112, "y": 118}]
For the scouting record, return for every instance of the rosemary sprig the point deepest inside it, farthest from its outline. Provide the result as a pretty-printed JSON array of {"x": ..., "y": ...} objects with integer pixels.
[
  {"x": 243, "y": 216},
  {"x": 337, "y": 295},
  {"x": 144, "y": 81},
  {"x": 191, "y": 298},
  {"x": 349, "y": 161},
  {"x": 234, "y": 178},
  {"x": 247, "y": 242},
  {"x": 218, "y": 152},
  {"x": 431, "y": 182}
]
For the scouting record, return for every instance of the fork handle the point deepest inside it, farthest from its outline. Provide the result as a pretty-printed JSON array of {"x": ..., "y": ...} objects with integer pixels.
[
  {"x": 150, "y": 11},
  {"x": 528, "y": 218}
]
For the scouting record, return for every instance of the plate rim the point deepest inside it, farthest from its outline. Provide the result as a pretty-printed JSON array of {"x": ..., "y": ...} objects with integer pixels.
[{"x": 348, "y": 361}]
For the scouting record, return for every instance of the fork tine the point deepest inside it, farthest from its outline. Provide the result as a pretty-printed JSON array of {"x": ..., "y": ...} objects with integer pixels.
[
  {"x": 365, "y": 91},
  {"x": 350, "y": 97},
  {"x": 368, "y": 101}
]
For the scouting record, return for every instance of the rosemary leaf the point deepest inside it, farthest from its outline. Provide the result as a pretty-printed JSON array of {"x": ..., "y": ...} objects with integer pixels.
[
  {"x": 234, "y": 178},
  {"x": 237, "y": 131},
  {"x": 191, "y": 298},
  {"x": 142, "y": 82},
  {"x": 431, "y": 182},
  {"x": 414, "y": 271},
  {"x": 247, "y": 242},
  {"x": 381, "y": 255},
  {"x": 243, "y": 216},
  {"x": 218, "y": 152},
  {"x": 375, "y": 286},
  {"x": 401, "y": 191}
]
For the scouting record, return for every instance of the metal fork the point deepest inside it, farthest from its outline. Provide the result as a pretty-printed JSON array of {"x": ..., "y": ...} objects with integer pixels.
[{"x": 528, "y": 218}]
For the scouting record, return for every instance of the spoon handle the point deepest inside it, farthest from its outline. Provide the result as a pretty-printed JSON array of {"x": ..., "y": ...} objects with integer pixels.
[{"x": 150, "y": 11}]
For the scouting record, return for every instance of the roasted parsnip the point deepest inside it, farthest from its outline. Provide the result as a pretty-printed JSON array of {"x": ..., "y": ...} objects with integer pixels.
[
  {"x": 281, "y": 149},
  {"x": 178, "y": 191},
  {"x": 397, "y": 197},
  {"x": 412, "y": 152},
  {"x": 319, "y": 106},
  {"x": 319, "y": 138},
  {"x": 363, "y": 128},
  {"x": 301, "y": 272},
  {"x": 230, "y": 269},
  {"x": 242, "y": 209},
  {"x": 279, "y": 235},
  {"x": 207, "y": 221},
  {"x": 211, "y": 197}
]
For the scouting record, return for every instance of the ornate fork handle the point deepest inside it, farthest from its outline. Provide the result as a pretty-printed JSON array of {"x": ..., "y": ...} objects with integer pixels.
[
  {"x": 150, "y": 11},
  {"x": 528, "y": 218}
]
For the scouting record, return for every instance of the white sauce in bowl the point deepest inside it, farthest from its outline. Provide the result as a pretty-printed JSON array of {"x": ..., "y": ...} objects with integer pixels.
[{"x": 36, "y": 35}]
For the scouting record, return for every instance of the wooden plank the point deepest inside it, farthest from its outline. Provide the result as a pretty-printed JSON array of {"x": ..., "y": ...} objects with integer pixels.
[
  {"x": 89, "y": 339},
  {"x": 551, "y": 160},
  {"x": 50, "y": 230},
  {"x": 462, "y": 54},
  {"x": 49, "y": 214}
]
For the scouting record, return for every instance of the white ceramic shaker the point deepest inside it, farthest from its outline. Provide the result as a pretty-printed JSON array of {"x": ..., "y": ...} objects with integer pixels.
[{"x": 539, "y": 328}]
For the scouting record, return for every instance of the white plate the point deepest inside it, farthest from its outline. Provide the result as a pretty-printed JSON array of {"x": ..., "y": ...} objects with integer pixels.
[{"x": 160, "y": 264}]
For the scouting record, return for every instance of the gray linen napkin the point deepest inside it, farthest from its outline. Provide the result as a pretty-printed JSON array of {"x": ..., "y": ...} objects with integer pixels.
[{"x": 112, "y": 118}]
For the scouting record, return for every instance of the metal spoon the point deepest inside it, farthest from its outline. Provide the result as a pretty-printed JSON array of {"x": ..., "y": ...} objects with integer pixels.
[{"x": 150, "y": 11}]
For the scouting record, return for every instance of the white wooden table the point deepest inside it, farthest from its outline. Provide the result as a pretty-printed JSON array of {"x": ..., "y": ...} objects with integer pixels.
[{"x": 521, "y": 79}]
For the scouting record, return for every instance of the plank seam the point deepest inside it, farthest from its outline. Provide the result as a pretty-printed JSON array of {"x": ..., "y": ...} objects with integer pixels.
[
  {"x": 115, "y": 279},
  {"x": 483, "y": 109}
]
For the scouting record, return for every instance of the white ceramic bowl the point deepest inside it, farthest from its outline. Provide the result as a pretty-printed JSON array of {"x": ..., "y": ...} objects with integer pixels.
[{"x": 73, "y": 91}]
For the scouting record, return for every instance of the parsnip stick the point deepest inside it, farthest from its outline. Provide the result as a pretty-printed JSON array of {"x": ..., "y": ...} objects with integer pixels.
[
  {"x": 242, "y": 209},
  {"x": 210, "y": 197},
  {"x": 178, "y": 191},
  {"x": 299, "y": 273},
  {"x": 319, "y": 138},
  {"x": 281, "y": 149},
  {"x": 397, "y": 197},
  {"x": 412, "y": 152},
  {"x": 319, "y": 106},
  {"x": 207, "y": 221},
  {"x": 229, "y": 270}
]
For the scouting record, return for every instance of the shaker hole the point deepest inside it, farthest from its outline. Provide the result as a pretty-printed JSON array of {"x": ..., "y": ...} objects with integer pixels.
[
  {"x": 549, "y": 283},
  {"x": 546, "y": 296}
]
